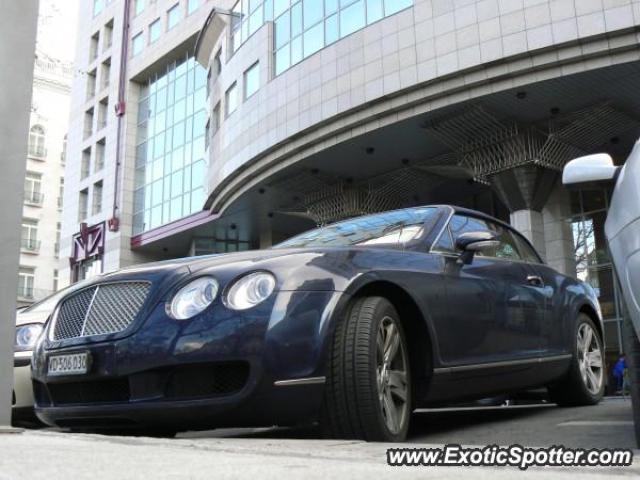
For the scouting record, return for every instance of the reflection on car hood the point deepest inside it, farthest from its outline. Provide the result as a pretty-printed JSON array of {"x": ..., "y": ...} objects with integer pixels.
[{"x": 221, "y": 259}]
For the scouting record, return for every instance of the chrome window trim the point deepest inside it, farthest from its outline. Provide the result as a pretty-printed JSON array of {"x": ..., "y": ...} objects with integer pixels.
[{"x": 452, "y": 212}]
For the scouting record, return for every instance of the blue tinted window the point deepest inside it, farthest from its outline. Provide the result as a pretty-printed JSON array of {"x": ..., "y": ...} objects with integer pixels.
[
  {"x": 313, "y": 39},
  {"x": 170, "y": 139},
  {"x": 283, "y": 60},
  {"x": 296, "y": 19},
  {"x": 173, "y": 16},
  {"x": 332, "y": 31},
  {"x": 375, "y": 10},
  {"x": 297, "y": 26},
  {"x": 296, "y": 50},
  {"x": 330, "y": 6},
  {"x": 252, "y": 80},
  {"x": 279, "y": 6},
  {"x": 98, "y": 5},
  {"x": 268, "y": 10},
  {"x": 154, "y": 31},
  {"x": 352, "y": 18},
  {"x": 313, "y": 12},
  {"x": 283, "y": 29},
  {"x": 394, "y": 6},
  {"x": 255, "y": 20},
  {"x": 137, "y": 44}
]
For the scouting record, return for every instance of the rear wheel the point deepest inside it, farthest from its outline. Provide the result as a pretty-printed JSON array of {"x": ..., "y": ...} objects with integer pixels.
[
  {"x": 584, "y": 383},
  {"x": 368, "y": 390},
  {"x": 632, "y": 349}
]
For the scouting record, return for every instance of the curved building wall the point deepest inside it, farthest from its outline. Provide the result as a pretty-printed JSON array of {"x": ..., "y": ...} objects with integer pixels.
[{"x": 433, "y": 54}]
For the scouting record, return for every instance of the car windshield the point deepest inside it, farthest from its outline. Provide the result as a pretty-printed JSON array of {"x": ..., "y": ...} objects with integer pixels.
[{"x": 389, "y": 229}]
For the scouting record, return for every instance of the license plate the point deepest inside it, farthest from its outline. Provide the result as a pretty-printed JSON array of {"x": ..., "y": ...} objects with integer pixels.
[{"x": 71, "y": 364}]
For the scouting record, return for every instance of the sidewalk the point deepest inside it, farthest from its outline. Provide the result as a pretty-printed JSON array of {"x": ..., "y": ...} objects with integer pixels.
[
  {"x": 51, "y": 455},
  {"x": 281, "y": 454}
]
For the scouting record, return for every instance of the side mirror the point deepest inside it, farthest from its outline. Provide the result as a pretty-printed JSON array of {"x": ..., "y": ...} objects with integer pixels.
[
  {"x": 472, "y": 242},
  {"x": 589, "y": 169}
]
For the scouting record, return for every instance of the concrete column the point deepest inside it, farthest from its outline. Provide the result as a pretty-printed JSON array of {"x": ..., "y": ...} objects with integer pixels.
[
  {"x": 17, "y": 46},
  {"x": 530, "y": 224},
  {"x": 266, "y": 237},
  {"x": 557, "y": 232}
]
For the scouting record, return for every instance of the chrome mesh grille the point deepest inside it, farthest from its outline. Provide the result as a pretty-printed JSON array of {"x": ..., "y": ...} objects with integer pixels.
[
  {"x": 72, "y": 313},
  {"x": 99, "y": 310}
]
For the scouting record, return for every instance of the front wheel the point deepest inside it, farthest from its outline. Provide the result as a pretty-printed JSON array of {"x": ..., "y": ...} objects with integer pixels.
[
  {"x": 368, "y": 389},
  {"x": 584, "y": 383}
]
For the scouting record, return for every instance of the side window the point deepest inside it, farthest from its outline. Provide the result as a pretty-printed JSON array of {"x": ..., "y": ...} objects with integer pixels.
[
  {"x": 526, "y": 250},
  {"x": 460, "y": 224},
  {"x": 444, "y": 243},
  {"x": 508, "y": 247}
]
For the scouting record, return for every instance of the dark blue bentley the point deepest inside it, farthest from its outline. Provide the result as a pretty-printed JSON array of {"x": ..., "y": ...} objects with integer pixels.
[{"x": 352, "y": 325}]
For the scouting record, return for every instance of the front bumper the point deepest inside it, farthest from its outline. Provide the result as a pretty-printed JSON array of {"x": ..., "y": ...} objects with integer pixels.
[
  {"x": 22, "y": 388},
  {"x": 218, "y": 369}
]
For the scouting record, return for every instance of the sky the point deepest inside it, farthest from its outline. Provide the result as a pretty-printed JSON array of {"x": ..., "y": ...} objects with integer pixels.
[{"x": 57, "y": 26}]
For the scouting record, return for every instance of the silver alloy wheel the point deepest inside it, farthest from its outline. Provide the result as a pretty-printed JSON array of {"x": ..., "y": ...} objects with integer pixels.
[
  {"x": 590, "y": 358},
  {"x": 391, "y": 375}
]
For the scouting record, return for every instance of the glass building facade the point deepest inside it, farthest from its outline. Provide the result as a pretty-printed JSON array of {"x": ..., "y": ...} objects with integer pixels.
[
  {"x": 593, "y": 263},
  {"x": 302, "y": 27},
  {"x": 171, "y": 169}
]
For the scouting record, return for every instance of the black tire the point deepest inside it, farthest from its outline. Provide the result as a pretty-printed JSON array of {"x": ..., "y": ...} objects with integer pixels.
[
  {"x": 572, "y": 390},
  {"x": 352, "y": 407},
  {"x": 632, "y": 350}
]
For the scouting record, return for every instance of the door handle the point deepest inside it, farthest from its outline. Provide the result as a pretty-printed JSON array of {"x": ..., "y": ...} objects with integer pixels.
[{"x": 535, "y": 281}]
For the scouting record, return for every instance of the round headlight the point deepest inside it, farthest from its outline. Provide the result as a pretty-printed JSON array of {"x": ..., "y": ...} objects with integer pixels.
[
  {"x": 193, "y": 298},
  {"x": 250, "y": 290},
  {"x": 27, "y": 336}
]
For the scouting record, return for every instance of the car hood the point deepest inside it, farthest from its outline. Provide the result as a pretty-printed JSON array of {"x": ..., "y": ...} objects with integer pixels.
[
  {"x": 248, "y": 259},
  {"x": 310, "y": 269},
  {"x": 306, "y": 268}
]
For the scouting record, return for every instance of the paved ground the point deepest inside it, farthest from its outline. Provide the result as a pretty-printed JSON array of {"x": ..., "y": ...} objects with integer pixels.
[{"x": 281, "y": 453}]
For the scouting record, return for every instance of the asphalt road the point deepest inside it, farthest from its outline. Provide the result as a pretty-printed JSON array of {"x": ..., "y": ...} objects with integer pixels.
[{"x": 295, "y": 453}]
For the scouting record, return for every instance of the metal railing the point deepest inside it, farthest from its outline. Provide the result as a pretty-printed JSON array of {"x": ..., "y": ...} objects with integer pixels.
[
  {"x": 30, "y": 294},
  {"x": 37, "y": 152},
  {"x": 25, "y": 293},
  {"x": 34, "y": 198},
  {"x": 30, "y": 245}
]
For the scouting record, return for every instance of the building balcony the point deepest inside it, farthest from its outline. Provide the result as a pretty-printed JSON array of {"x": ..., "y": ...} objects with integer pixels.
[
  {"x": 25, "y": 294},
  {"x": 37, "y": 153},
  {"x": 30, "y": 245},
  {"x": 35, "y": 199},
  {"x": 30, "y": 295}
]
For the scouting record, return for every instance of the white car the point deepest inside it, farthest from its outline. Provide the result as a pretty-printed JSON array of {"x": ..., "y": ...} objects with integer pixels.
[
  {"x": 29, "y": 325},
  {"x": 622, "y": 229}
]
